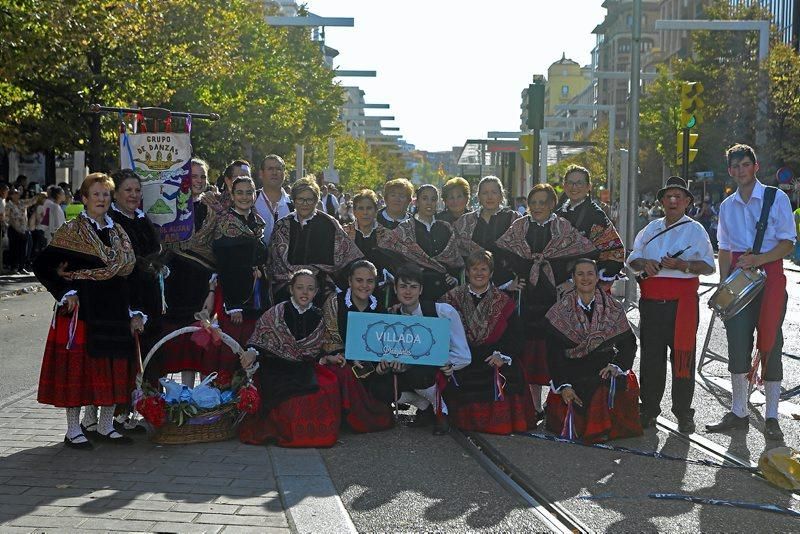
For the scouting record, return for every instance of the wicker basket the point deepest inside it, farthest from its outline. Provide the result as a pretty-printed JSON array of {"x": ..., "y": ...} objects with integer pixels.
[{"x": 206, "y": 427}]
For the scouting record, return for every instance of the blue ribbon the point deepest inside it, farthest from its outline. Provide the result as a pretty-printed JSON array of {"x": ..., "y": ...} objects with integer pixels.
[{"x": 126, "y": 143}]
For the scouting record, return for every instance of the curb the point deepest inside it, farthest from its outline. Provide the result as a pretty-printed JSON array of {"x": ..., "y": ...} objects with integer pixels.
[{"x": 35, "y": 288}]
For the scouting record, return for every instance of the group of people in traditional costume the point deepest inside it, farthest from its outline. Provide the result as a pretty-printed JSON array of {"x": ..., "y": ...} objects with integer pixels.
[{"x": 527, "y": 299}]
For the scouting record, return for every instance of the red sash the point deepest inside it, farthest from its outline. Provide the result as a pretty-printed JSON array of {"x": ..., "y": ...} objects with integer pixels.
[
  {"x": 684, "y": 290},
  {"x": 771, "y": 303}
]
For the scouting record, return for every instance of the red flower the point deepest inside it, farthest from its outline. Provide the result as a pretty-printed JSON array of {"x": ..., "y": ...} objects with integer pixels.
[
  {"x": 223, "y": 380},
  {"x": 153, "y": 409},
  {"x": 249, "y": 399}
]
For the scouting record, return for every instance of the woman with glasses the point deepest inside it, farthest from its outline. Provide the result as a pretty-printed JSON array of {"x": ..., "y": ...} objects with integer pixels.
[
  {"x": 358, "y": 381},
  {"x": 241, "y": 293},
  {"x": 491, "y": 395},
  {"x": 479, "y": 230},
  {"x": 309, "y": 239},
  {"x": 542, "y": 245},
  {"x": 591, "y": 348},
  {"x": 429, "y": 243}
]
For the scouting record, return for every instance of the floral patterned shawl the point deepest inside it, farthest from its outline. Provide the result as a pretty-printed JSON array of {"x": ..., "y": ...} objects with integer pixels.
[
  {"x": 565, "y": 242},
  {"x": 608, "y": 321},
  {"x": 402, "y": 240},
  {"x": 78, "y": 235},
  {"x": 465, "y": 226},
  {"x": 485, "y": 323},
  {"x": 272, "y": 335}
]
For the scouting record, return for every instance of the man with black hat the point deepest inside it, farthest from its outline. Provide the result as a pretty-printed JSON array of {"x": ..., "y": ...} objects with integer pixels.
[{"x": 670, "y": 254}]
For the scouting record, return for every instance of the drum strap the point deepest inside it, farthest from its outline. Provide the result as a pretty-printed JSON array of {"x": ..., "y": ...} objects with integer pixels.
[
  {"x": 664, "y": 231},
  {"x": 761, "y": 227}
]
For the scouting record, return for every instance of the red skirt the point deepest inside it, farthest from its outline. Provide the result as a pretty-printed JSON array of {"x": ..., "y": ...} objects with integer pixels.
[
  {"x": 599, "y": 423},
  {"x": 533, "y": 360},
  {"x": 220, "y": 357},
  {"x": 303, "y": 421},
  {"x": 513, "y": 414},
  {"x": 362, "y": 411},
  {"x": 72, "y": 378}
]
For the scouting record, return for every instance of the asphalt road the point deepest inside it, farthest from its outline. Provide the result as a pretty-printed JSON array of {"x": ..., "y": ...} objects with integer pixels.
[{"x": 24, "y": 321}]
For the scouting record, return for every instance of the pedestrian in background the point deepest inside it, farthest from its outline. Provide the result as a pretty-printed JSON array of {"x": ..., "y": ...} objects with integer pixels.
[
  {"x": 52, "y": 213},
  {"x": 19, "y": 236}
]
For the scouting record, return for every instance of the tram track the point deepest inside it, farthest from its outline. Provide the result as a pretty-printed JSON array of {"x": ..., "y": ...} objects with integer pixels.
[
  {"x": 553, "y": 514},
  {"x": 710, "y": 448}
]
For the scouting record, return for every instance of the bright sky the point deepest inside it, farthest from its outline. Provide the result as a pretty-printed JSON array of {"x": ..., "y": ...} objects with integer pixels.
[{"x": 454, "y": 69}]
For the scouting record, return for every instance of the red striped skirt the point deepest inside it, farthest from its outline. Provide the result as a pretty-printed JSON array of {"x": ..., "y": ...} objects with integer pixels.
[
  {"x": 73, "y": 378},
  {"x": 177, "y": 354},
  {"x": 533, "y": 360},
  {"x": 362, "y": 411},
  {"x": 598, "y": 423},
  {"x": 515, "y": 413},
  {"x": 303, "y": 421},
  {"x": 220, "y": 357}
]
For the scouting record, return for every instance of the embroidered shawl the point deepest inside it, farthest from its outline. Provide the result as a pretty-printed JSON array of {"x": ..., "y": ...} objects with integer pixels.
[
  {"x": 485, "y": 323},
  {"x": 230, "y": 224},
  {"x": 402, "y": 240},
  {"x": 78, "y": 235},
  {"x": 465, "y": 226},
  {"x": 608, "y": 321},
  {"x": 198, "y": 247},
  {"x": 565, "y": 242},
  {"x": 345, "y": 250},
  {"x": 273, "y": 335}
]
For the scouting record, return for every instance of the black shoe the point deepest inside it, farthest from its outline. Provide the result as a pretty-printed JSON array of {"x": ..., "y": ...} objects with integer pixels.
[
  {"x": 772, "y": 430},
  {"x": 114, "y": 437},
  {"x": 81, "y": 445},
  {"x": 126, "y": 428},
  {"x": 730, "y": 421},
  {"x": 423, "y": 418},
  {"x": 442, "y": 425},
  {"x": 89, "y": 431},
  {"x": 686, "y": 424},
  {"x": 647, "y": 420}
]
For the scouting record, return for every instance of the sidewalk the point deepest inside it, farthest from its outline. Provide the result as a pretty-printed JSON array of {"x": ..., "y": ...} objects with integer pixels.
[
  {"x": 12, "y": 285},
  {"x": 215, "y": 487}
]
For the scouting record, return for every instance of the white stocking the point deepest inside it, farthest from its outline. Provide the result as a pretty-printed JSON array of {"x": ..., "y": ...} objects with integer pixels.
[
  {"x": 739, "y": 389},
  {"x": 74, "y": 424},
  {"x": 536, "y": 396},
  {"x": 772, "y": 390},
  {"x": 105, "y": 425},
  {"x": 89, "y": 416}
]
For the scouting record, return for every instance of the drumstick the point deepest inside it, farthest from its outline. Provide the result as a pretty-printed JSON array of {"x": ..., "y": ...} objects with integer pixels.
[{"x": 644, "y": 275}]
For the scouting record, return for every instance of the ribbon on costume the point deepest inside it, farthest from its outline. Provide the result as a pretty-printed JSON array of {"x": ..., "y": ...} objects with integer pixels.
[
  {"x": 638, "y": 452},
  {"x": 210, "y": 329},
  {"x": 499, "y": 385},
  {"x": 774, "y": 508},
  {"x": 257, "y": 293},
  {"x": 73, "y": 327},
  {"x": 612, "y": 392},
  {"x": 161, "y": 290},
  {"x": 126, "y": 142},
  {"x": 568, "y": 430}
]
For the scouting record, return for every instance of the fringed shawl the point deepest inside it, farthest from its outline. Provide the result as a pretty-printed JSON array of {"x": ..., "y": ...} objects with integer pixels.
[
  {"x": 79, "y": 236},
  {"x": 273, "y": 335},
  {"x": 402, "y": 240},
  {"x": 485, "y": 323}
]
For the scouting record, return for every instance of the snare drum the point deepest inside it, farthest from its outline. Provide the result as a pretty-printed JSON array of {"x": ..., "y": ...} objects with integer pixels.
[{"x": 738, "y": 290}]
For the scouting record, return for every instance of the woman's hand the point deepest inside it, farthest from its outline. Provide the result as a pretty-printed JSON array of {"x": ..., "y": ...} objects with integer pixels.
[
  {"x": 568, "y": 395},
  {"x": 248, "y": 358},
  {"x": 516, "y": 285},
  {"x": 208, "y": 304},
  {"x": 137, "y": 324},
  {"x": 62, "y": 269},
  {"x": 236, "y": 317},
  {"x": 451, "y": 280},
  {"x": 71, "y": 302},
  {"x": 256, "y": 273},
  {"x": 495, "y": 360},
  {"x": 610, "y": 370},
  {"x": 333, "y": 359},
  {"x": 447, "y": 370},
  {"x": 384, "y": 367}
]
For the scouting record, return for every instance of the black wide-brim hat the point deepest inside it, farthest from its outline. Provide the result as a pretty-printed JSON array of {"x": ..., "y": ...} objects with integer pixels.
[{"x": 675, "y": 182}]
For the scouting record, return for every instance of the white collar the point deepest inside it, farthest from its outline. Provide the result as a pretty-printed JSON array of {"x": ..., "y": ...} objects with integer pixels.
[
  {"x": 758, "y": 192},
  {"x": 139, "y": 213},
  {"x": 570, "y": 206},
  {"x": 374, "y": 226},
  {"x": 545, "y": 223},
  {"x": 427, "y": 225},
  {"x": 587, "y": 307},
  {"x": 348, "y": 301},
  {"x": 417, "y": 310},
  {"x": 385, "y": 214},
  {"x": 283, "y": 200},
  {"x": 297, "y": 307},
  {"x": 664, "y": 221},
  {"x": 304, "y": 221},
  {"x": 481, "y": 294},
  {"x": 109, "y": 222}
]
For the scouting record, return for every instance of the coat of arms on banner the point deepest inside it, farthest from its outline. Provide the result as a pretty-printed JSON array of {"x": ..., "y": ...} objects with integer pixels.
[{"x": 163, "y": 160}]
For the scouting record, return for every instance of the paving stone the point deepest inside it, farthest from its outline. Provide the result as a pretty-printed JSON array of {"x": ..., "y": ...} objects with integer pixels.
[
  {"x": 261, "y": 500},
  {"x": 170, "y": 516},
  {"x": 97, "y": 513},
  {"x": 250, "y": 520},
  {"x": 274, "y": 508},
  {"x": 191, "y": 498},
  {"x": 123, "y": 525},
  {"x": 38, "y": 521},
  {"x": 202, "y": 480},
  {"x": 17, "y": 510},
  {"x": 12, "y": 490},
  {"x": 5, "y": 528},
  {"x": 156, "y": 506},
  {"x": 186, "y": 527},
  {"x": 241, "y": 529},
  {"x": 206, "y": 508},
  {"x": 263, "y": 485}
]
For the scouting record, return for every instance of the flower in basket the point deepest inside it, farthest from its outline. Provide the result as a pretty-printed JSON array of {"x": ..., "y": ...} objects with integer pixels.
[
  {"x": 154, "y": 409},
  {"x": 223, "y": 380},
  {"x": 249, "y": 399}
]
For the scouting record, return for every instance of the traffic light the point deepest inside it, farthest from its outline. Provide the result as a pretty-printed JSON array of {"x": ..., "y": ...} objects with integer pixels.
[
  {"x": 532, "y": 115},
  {"x": 691, "y": 104},
  {"x": 692, "y": 151},
  {"x": 526, "y": 144}
]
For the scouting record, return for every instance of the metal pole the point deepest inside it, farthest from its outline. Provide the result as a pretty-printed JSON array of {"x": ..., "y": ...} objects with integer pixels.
[
  {"x": 543, "y": 159},
  {"x": 612, "y": 133},
  {"x": 633, "y": 159},
  {"x": 299, "y": 157},
  {"x": 685, "y": 150},
  {"x": 331, "y": 152},
  {"x": 535, "y": 159}
]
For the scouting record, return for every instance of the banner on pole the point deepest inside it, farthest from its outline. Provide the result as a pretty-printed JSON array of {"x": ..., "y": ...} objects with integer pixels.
[{"x": 163, "y": 160}]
